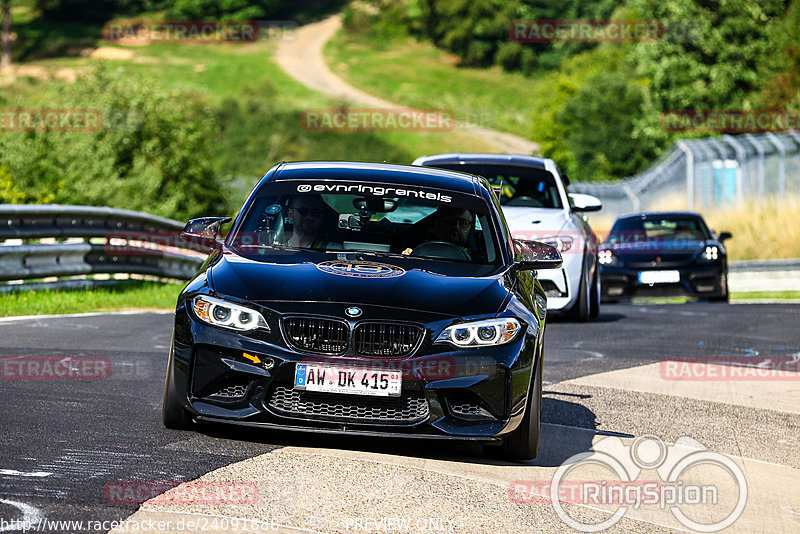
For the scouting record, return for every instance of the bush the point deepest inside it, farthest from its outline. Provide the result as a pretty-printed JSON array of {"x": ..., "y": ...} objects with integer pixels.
[
  {"x": 222, "y": 10},
  {"x": 151, "y": 153},
  {"x": 516, "y": 57}
]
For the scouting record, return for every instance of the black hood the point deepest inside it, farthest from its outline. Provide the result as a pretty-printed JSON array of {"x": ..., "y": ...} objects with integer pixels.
[{"x": 362, "y": 279}]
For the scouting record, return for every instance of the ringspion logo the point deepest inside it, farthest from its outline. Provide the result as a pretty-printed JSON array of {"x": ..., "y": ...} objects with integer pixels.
[{"x": 704, "y": 491}]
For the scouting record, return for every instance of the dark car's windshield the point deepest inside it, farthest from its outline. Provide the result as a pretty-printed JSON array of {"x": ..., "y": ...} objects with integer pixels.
[
  {"x": 398, "y": 220},
  {"x": 522, "y": 186},
  {"x": 666, "y": 228}
]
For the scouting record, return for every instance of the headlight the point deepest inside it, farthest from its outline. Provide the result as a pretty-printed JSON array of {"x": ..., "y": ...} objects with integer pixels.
[
  {"x": 711, "y": 253},
  {"x": 606, "y": 257},
  {"x": 218, "y": 312},
  {"x": 480, "y": 333},
  {"x": 562, "y": 243}
]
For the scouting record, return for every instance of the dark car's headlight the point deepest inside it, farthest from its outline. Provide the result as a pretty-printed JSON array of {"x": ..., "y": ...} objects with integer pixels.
[
  {"x": 710, "y": 254},
  {"x": 217, "y": 312},
  {"x": 606, "y": 257},
  {"x": 480, "y": 333}
]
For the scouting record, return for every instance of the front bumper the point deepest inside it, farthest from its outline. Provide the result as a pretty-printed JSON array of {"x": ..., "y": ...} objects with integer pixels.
[
  {"x": 695, "y": 281},
  {"x": 561, "y": 285},
  {"x": 446, "y": 393}
]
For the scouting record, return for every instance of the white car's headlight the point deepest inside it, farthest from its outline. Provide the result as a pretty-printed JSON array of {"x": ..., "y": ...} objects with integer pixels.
[
  {"x": 480, "y": 333},
  {"x": 218, "y": 312},
  {"x": 562, "y": 242}
]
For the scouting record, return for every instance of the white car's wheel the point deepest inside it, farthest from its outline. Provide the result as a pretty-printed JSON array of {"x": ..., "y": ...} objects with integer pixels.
[
  {"x": 594, "y": 304},
  {"x": 581, "y": 309}
]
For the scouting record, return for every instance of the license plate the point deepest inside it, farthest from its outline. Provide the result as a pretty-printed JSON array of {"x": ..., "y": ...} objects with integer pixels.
[
  {"x": 659, "y": 277},
  {"x": 348, "y": 380}
]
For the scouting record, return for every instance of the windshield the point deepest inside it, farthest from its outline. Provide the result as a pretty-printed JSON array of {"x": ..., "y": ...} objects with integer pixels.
[
  {"x": 667, "y": 228},
  {"x": 522, "y": 186},
  {"x": 401, "y": 220}
]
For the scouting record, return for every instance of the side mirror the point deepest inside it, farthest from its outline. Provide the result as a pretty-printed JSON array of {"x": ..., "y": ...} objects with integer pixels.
[
  {"x": 204, "y": 231},
  {"x": 724, "y": 235},
  {"x": 581, "y": 202},
  {"x": 533, "y": 255}
]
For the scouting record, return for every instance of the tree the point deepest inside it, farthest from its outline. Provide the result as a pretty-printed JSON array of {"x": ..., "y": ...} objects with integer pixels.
[
  {"x": 5, "y": 55},
  {"x": 603, "y": 127}
]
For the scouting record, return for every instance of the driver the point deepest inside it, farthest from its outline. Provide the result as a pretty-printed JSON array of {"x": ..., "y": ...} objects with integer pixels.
[{"x": 308, "y": 215}]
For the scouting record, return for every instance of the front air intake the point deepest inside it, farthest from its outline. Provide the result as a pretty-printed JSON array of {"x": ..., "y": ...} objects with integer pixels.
[
  {"x": 318, "y": 335},
  {"x": 386, "y": 339}
]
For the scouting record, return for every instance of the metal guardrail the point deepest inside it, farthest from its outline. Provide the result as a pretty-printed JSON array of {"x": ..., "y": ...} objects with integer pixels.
[
  {"x": 707, "y": 174},
  {"x": 764, "y": 265},
  {"x": 109, "y": 241}
]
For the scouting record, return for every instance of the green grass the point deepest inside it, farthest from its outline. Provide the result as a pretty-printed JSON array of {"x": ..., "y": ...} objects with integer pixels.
[
  {"x": 134, "y": 295},
  {"x": 736, "y": 296},
  {"x": 758, "y": 295},
  {"x": 418, "y": 74},
  {"x": 246, "y": 73}
]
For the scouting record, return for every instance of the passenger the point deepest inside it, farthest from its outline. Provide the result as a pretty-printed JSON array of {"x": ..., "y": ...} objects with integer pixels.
[
  {"x": 684, "y": 231},
  {"x": 452, "y": 224}
]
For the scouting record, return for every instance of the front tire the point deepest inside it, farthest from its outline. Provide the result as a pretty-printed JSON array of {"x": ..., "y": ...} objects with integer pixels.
[
  {"x": 725, "y": 296},
  {"x": 173, "y": 415},
  {"x": 580, "y": 310},
  {"x": 594, "y": 305},
  {"x": 523, "y": 443}
]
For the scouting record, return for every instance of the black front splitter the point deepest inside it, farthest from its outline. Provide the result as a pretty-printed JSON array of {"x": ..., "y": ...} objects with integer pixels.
[{"x": 376, "y": 434}]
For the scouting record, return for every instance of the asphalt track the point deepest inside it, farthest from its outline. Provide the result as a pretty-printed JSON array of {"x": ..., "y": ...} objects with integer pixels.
[{"x": 64, "y": 443}]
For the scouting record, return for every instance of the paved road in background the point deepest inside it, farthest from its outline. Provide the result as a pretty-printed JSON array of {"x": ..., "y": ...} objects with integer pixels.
[{"x": 63, "y": 442}]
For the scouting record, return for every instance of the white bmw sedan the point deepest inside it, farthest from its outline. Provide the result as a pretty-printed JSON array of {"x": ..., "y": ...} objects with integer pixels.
[{"x": 537, "y": 206}]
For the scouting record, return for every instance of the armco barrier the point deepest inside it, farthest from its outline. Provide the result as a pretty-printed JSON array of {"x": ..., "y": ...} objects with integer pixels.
[
  {"x": 154, "y": 247},
  {"x": 764, "y": 265},
  {"x": 110, "y": 241},
  {"x": 764, "y": 275}
]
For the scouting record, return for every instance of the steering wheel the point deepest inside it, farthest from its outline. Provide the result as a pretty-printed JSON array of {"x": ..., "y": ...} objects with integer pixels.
[
  {"x": 525, "y": 201},
  {"x": 441, "y": 249}
]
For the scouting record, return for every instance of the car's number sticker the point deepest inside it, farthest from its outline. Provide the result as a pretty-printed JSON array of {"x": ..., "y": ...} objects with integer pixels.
[
  {"x": 348, "y": 380},
  {"x": 659, "y": 277}
]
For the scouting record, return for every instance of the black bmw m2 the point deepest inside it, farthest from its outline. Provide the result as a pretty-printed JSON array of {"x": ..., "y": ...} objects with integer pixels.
[{"x": 368, "y": 299}]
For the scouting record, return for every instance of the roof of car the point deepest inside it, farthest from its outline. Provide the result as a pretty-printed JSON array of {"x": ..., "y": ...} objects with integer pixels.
[
  {"x": 376, "y": 172},
  {"x": 649, "y": 214},
  {"x": 508, "y": 159}
]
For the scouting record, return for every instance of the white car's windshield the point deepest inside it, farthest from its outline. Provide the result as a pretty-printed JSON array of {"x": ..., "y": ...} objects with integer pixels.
[{"x": 522, "y": 186}]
